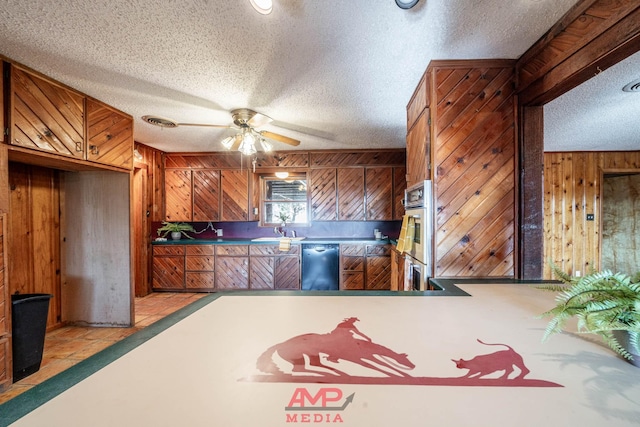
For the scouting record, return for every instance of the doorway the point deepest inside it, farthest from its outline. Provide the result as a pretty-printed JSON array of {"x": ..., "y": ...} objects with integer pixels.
[
  {"x": 621, "y": 222},
  {"x": 141, "y": 231}
]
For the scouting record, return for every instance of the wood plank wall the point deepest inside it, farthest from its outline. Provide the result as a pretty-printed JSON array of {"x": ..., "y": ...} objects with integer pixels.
[
  {"x": 152, "y": 158},
  {"x": 34, "y": 234},
  {"x": 573, "y": 189},
  {"x": 474, "y": 168}
]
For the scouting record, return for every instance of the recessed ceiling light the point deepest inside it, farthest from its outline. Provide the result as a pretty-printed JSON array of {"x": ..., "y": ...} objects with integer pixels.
[
  {"x": 634, "y": 86},
  {"x": 406, "y": 4},
  {"x": 262, "y": 6}
]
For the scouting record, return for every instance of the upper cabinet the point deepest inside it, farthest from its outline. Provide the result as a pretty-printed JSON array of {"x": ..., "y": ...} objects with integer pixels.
[
  {"x": 45, "y": 115},
  {"x": 418, "y": 134},
  {"x": 109, "y": 135},
  {"x": 51, "y": 118}
]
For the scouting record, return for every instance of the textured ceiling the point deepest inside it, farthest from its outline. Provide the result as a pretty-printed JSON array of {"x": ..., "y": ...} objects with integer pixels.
[{"x": 332, "y": 73}]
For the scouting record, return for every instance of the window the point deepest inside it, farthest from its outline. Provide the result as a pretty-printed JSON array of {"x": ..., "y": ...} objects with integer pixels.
[{"x": 284, "y": 200}]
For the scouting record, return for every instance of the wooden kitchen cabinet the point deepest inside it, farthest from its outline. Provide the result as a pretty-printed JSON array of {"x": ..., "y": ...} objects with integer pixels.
[
  {"x": 235, "y": 195},
  {"x": 352, "y": 264},
  {"x": 351, "y": 194},
  {"x": 200, "y": 268},
  {"x": 399, "y": 185},
  {"x": 178, "y": 199},
  {"x": 379, "y": 193},
  {"x": 419, "y": 150},
  {"x": 109, "y": 135},
  {"x": 232, "y": 267},
  {"x": 397, "y": 270},
  {"x": 272, "y": 268},
  {"x": 206, "y": 195},
  {"x": 45, "y": 115},
  {"x": 378, "y": 267},
  {"x": 323, "y": 185},
  {"x": 168, "y": 267}
]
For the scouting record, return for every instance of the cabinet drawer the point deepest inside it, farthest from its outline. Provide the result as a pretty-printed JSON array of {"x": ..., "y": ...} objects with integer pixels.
[
  {"x": 232, "y": 250},
  {"x": 168, "y": 250},
  {"x": 200, "y": 263},
  {"x": 200, "y": 280},
  {"x": 380, "y": 250},
  {"x": 200, "y": 250},
  {"x": 352, "y": 250},
  {"x": 353, "y": 263},
  {"x": 273, "y": 250}
]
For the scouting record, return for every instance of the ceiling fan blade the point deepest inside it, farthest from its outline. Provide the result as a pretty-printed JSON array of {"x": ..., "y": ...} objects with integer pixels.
[
  {"x": 258, "y": 120},
  {"x": 205, "y": 125},
  {"x": 280, "y": 138},
  {"x": 236, "y": 143}
]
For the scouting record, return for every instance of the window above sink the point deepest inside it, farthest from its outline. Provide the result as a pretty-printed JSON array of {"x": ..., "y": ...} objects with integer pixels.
[{"x": 284, "y": 200}]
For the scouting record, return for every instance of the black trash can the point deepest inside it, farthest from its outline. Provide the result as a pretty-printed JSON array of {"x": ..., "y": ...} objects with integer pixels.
[{"x": 28, "y": 326}]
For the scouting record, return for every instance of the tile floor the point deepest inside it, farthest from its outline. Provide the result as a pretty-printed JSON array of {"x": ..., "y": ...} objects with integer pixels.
[{"x": 68, "y": 345}]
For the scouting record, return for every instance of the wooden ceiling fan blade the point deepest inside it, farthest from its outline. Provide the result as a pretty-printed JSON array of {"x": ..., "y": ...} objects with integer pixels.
[
  {"x": 258, "y": 120},
  {"x": 205, "y": 125},
  {"x": 280, "y": 138}
]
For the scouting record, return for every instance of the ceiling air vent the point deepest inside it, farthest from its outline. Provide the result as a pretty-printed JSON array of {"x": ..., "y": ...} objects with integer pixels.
[
  {"x": 634, "y": 86},
  {"x": 160, "y": 121}
]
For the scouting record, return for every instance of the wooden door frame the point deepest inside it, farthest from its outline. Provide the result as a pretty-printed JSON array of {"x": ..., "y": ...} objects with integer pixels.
[{"x": 141, "y": 228}]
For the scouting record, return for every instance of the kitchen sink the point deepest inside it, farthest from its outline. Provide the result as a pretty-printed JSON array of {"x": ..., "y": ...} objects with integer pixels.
[{"x": 275, "y": 239}]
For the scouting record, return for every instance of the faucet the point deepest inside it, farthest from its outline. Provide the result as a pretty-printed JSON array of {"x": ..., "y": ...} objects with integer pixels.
[{"x": 280, "y": 231}]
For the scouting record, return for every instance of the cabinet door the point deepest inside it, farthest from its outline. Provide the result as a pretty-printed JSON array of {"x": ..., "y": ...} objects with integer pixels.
[
  {"x": 378, "y": 272},
  {"x": 262, "y": 272},
  {"x": 323, "y": 194},
  {"x": 232, "y": 272},
  {"x": 419, "y": 150},
  {"x": 46, "y": 116},
  {"x": 109, "y": 135},
  {"x": 235, "y": 195},
  {"x": 351, "y": 194},
  {"x": 206, "y": 195},
  {"x": 379, "y": 192},
  {"x": 177, "y": 194},
  {"x": 168, "y": 272},
  {"x": 287, "y": 272},
  {"x": 399, "y": 185}
]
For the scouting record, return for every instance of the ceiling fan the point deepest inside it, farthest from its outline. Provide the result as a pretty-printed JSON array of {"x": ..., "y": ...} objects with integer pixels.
[{"x": 246, "y": 121}]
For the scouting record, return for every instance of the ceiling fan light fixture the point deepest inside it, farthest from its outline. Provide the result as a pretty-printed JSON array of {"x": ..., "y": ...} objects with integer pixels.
[
  {"x": 266, "y": 147},
  {"x": 406, "y": 4},
  {"x": 228, "y": 142},
  {"x": 262, "y": 6}
]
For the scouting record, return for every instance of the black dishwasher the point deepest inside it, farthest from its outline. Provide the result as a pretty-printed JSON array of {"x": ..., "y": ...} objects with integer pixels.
[{"x": 320, "y": 267}]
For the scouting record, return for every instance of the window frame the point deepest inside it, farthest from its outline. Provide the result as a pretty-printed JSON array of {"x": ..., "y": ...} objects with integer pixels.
[{"x": 263, "y": 178}]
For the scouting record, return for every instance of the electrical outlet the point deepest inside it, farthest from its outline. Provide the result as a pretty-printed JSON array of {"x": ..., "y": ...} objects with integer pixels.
[{"x": 590, "y": 217}]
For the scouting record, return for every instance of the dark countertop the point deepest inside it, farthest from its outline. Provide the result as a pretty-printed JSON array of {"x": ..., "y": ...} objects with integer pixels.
[{"x": 275, "y": 241}]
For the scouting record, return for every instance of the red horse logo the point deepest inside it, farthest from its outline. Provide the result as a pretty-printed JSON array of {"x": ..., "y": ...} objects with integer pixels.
[{"x": 344, "y": 343}]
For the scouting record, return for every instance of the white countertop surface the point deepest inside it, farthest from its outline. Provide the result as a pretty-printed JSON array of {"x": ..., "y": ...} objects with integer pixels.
[{"x": 202, "y": 370}]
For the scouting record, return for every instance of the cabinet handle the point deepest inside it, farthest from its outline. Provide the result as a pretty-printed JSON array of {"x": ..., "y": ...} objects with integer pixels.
[
  {"x": 78, "y": 146},
  {"x": 94, "y": 150}
]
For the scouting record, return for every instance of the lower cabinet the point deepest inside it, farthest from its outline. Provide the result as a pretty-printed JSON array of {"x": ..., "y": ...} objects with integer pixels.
[
  {"x": 366, "y": 267},
  {"x": 168, "y": 267},
  {"x": 397, "y": 270},
  {"x": 232, "y": 267},
  {"x": 208, "y": 268}
]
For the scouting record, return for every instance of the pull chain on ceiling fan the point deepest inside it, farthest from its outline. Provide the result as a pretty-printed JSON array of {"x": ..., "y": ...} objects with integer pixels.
[{"x": 245, "y": 141}]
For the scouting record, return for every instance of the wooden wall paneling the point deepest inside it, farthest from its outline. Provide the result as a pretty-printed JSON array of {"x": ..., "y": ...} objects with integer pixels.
[
  {"x": 474, "y": 167},
  {"x": 109, "y": 135},
  {"x": 235, "y": 195},
  {"x": 573, "y": 186},
  {"x": 4, "y": 68},
  {"x": 4, "y": 179},
  {"x": 34, "y": 234},
  {"x": 222, "y": 160},
  {"x": 178, "y": 195},
  {"x": 379, "y": 193},
  {"x": 282, "y": 160},
  {"x": 361, "y": 158},
  {"x": 350, "y": 194},
  {"x": 206, "y": 195},
  {"x": 323, "y": 194},
  {"x": 5, "y": 316},
  {"x": 46, "y": 116},
  {"x": 399, "y": 185}
]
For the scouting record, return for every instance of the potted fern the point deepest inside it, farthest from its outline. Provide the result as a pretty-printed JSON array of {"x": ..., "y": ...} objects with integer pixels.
[
  {"x": 605, "y": 303},
  {"x": 177, "y": 229}
]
